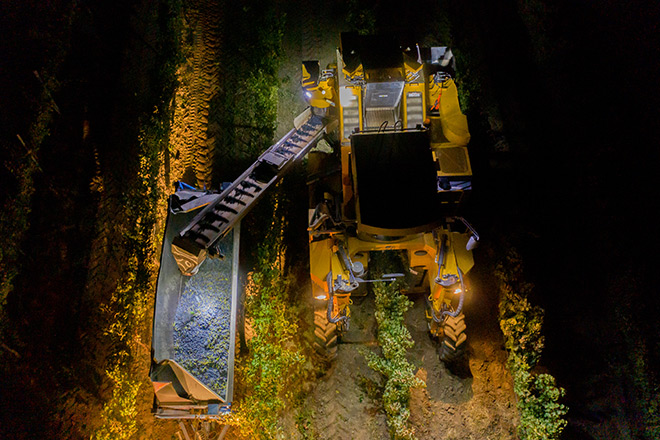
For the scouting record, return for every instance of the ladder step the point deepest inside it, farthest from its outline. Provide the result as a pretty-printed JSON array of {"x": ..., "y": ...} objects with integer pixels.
[
  {"x": 197, "y": 236},
  {"x": 249, "y": 184},
  {"x": 225, "y": 208},
  {"x": 241, "y": 192},
  {"x": 210, "y": 226},
  {"x": 284, "y": 151},
  {"x": 214, "y": 217},
  {"x": 234, "y": 201}
]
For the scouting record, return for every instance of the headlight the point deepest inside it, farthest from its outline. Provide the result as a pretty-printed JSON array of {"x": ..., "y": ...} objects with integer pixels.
[{"x": 308, "y": 94}]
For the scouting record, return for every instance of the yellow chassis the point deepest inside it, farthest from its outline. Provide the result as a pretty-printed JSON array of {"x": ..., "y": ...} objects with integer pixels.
[{"x": 422, "y": 250}]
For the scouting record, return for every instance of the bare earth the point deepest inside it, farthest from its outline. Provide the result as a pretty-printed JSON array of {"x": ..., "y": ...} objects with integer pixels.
[
  {"x": 477, "y": 403},
  {"x": 344, "y": 403}
]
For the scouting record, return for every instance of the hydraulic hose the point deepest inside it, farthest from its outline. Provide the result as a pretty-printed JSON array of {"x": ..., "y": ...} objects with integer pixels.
[
  {"x": 440, "y": 258},
  {"x": 435, "y": 318},
  {"x": 348, "y": 265},
  {"x": 338, "y": 318},
  {"x": 444, "y": 313},
  {"x": 461, "y": 299},
  {"x": 458, "y": 310}
]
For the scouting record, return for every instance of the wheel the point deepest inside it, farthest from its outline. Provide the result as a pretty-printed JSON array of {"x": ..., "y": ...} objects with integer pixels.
[
  {"x": 325, "y": 335},
  {"x": 452, "y": 347}
]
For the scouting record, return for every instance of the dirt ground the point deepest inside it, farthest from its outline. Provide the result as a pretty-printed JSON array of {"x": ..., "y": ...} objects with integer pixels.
[
  {"x": 344, "y": 403},
  {"x": 478, "y": 402},
  {"x": 475, "y": 403},
  {"x": 106, "y": 85}
]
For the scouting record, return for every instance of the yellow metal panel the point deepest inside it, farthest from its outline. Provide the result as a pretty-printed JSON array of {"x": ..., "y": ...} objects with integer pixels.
[
  {"x": 348, "y": 210},
  {"x": 356, "y": 245},
  {"x": 323, "y": 258},
  {"x": 322, "y": 95},
  {"x": 320, "y": 253},
  {"x": 307, "y": 80},
  {"x": 464, "y": 257},
  {"x": 453, "y": 160},
  {"x": 454, "y": 123},
  {"x": 359, "y": 71},
  {"x": 412, "y": 67}
]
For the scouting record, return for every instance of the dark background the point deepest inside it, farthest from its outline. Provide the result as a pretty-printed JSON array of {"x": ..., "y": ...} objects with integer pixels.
[
  {"x": 575, "y": 87},
  {"x": 577, "y": 191}
]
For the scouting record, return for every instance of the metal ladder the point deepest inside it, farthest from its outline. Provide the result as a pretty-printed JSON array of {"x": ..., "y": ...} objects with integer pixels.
[{"x": 235, "y": 201}]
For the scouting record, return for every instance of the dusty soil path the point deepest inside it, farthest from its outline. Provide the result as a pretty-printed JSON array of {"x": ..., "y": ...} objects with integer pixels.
[
  {"x": 192, "y": 141},
  {"x": 345, "y": 402},
  {"x": 193, "y": 138},
  {"x": 475, "y": 403}
]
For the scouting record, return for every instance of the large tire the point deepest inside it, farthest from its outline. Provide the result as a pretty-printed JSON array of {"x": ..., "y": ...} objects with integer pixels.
[
  {"x": 453, "y": 347},
  {"x": 325, "y": 336}
]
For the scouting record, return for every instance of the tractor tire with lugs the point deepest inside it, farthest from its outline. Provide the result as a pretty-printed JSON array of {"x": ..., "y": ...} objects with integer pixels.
[
  {"x": 325, "y": 336},
  {"x": 452, "y": 347}
]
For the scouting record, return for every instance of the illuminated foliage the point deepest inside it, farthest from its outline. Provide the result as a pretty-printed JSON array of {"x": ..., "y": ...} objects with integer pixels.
[
  {"x": 520, "y": 321},
  {"x": 126, "y": 310},
  {"x": 541, "y": 414},
  {"x": 275, "y": 360},
  {"x": 119, "y": 414},
  {"x": 246, "y": 111},
  {"x": 394, "y": 340}
]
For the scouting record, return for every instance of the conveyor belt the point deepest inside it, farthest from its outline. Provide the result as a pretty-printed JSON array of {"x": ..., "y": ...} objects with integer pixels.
[{"x": 237, "y": 200}]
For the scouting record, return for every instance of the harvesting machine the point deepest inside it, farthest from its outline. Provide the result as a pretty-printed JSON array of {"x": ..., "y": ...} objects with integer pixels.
[
  {"x": 391, "y": 174},
  {"x": 402, "y": 172}
]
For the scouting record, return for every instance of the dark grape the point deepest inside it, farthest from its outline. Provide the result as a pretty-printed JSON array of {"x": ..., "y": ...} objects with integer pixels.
[{"x": 202, "y": 321}]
